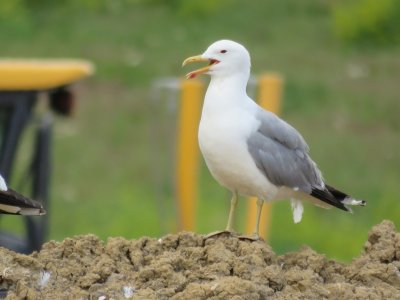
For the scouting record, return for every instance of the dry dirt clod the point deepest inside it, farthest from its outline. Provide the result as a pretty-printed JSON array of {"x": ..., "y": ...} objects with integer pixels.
[{"x": 189, "y": 266}]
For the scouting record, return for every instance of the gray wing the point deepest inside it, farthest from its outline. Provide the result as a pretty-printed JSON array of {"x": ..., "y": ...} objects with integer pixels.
[
  {"x": 281, "y": 153},
  {"x": 275, "y": 128}
]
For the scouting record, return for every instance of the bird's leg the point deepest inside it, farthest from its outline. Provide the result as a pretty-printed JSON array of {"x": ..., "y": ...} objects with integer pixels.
[
  {"x": 255, "y": 236},
  {"x": 229, "y": 226},
  {"x": 260, "y": 203},
  {"x": 234, "y": 200}
]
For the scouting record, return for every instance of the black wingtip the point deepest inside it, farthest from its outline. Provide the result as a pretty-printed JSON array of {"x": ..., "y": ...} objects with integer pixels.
[
  {"x": 17, "y": 204},
  {"x": 327, "y": 197},
  {"x": 336, "y": 198}
]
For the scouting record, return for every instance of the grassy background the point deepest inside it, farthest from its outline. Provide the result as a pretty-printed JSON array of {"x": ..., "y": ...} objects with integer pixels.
[{"x": 342, "y": 98}]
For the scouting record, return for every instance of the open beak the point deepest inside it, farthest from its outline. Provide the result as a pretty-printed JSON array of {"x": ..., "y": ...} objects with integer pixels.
[{"x": 198, "y": 58}]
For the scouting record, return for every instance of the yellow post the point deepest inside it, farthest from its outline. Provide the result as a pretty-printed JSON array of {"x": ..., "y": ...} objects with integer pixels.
[
  {"x": 188, "y": 152},
  {"x": 269, "y": 97}
]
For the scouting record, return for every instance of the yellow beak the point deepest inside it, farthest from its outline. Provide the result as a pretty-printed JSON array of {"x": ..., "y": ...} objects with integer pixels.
[{"x": 197, "y": 58}]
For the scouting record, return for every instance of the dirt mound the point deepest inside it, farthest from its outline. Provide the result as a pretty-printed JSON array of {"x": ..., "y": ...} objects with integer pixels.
[{"x": 186, "y": 266}]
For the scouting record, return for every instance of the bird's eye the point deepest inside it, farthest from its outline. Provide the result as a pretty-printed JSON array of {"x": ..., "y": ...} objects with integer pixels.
[{"x": 223, "y": 51}]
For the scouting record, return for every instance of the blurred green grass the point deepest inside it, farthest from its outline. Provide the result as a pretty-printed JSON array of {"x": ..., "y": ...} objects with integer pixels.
[{"x": 344, "y": 100}]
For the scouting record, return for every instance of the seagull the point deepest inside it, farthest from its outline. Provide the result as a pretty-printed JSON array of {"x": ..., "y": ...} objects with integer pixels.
[
  {"x": 12, "y": 202},
  {"x": 249, "y": 150}
]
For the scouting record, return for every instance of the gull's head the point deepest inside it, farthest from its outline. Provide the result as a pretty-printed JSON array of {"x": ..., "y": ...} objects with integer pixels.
[{"x": 224, "y": 58}]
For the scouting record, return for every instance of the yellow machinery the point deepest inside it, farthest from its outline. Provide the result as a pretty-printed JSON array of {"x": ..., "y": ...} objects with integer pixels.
[
  {"x": 20, "y": 83},
  {"x": 30, "y": 74}
]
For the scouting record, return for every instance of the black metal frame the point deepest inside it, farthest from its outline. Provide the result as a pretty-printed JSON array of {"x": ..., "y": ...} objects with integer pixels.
[{"x": 17, "y": 107}]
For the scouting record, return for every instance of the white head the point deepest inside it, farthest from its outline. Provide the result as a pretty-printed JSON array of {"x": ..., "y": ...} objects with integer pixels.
[{"x": 225, "y": 58}]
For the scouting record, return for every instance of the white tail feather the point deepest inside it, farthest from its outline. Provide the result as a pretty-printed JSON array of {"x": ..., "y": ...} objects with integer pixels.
[
  {"x": 10, "y": 208},
  {"x": 352, "y": 201},
  {"x": 21, "y": 210},
  {"x": 297, "y": 208},
  {"x": 31, "y": 211}
]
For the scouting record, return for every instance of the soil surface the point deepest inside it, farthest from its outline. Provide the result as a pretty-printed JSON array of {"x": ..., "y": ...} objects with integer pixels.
[{"x": 188, "y": 266}]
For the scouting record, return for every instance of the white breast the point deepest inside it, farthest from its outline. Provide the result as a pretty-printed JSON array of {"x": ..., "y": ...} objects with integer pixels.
[{"x": 223, "y": 143}]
